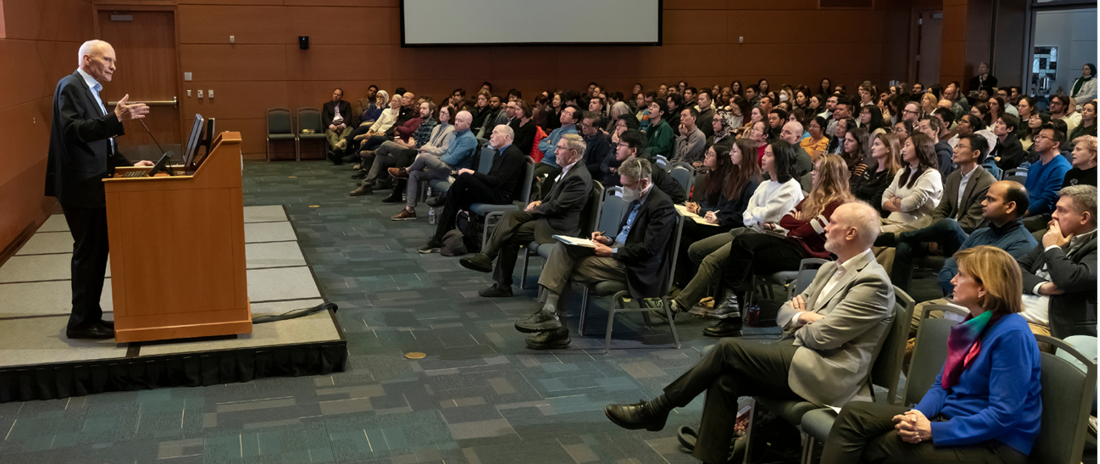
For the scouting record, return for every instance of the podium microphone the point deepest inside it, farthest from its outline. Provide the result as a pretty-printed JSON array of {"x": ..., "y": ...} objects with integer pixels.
[{"x": 164, "y": 154}]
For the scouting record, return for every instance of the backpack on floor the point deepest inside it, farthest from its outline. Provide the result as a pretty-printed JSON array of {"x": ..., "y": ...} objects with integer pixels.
[{"x": 467, "y": 222}]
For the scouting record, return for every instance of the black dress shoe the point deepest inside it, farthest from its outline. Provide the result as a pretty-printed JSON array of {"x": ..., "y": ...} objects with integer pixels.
[
  {"x": 635, "y": 416},
  {"x": 541, "y": 321},
  {"x": 335, "y": 157},
  {"x": 477, "y": 262},
  {"x": 549, "y": 340},
  {"x": 728, "y": 327},
  {"x": 437, "y": 201},
  {"x": 495, "y": 291},
  {"x": 393, "y": 198},
  {"x": 108, "y": 324},
  {"x": 359, "y": 174},
  {"x": 95, "y": 332},
  {"x": 350, "y": 158}
]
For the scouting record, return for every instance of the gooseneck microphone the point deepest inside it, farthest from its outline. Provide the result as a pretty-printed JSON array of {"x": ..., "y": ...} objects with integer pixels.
[{"x": 164, "y": 154}]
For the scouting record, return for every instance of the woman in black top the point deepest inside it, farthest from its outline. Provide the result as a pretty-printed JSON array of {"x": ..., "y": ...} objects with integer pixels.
[
  {"x": 1084, "y": 162},
  {"x": 706, "y": 197},
  {"x": 870, "y": 118},
  {"x": 524, "y": 128},
  {"x": 886, "y": 152},
  {"x": 855, "y": 151}
]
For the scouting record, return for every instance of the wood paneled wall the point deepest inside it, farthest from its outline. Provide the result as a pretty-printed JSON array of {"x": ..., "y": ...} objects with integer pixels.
[
  {"x": 355, "y": 43},
  {"x": 39, "y": 47}
]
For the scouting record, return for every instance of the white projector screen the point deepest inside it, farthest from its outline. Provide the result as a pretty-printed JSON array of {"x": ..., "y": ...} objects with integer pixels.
[{"x": 506, "y": 22}]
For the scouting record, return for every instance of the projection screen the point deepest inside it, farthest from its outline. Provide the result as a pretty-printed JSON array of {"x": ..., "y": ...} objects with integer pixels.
[{"x": 508, "y": 22}]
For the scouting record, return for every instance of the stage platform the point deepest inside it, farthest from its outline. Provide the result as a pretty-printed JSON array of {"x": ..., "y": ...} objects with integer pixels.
[{"x": 38, "y": 362}]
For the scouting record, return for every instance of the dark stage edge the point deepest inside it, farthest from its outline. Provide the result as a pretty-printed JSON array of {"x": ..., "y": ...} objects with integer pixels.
[{"x": 67, "y": 379}]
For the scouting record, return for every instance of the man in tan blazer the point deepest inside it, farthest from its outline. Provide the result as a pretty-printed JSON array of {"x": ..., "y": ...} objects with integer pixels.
[
  {"x": 831, "y": 333},
  {"x": 958, "y": 214}
]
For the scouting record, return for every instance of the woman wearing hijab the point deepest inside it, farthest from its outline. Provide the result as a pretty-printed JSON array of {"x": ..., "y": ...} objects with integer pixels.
[
  {"x": 1084, "y": 88},
  {"x": 985, "y": 404}
]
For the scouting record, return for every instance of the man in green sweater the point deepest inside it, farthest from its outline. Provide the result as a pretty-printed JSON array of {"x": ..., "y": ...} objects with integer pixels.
[{"x": 659, "y": 136}]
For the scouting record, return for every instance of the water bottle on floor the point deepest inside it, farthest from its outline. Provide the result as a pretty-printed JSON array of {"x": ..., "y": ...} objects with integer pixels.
[{"x": 431, "y": 216}]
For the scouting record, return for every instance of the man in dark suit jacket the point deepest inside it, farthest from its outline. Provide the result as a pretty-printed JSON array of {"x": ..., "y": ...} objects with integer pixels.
[
  {"x": 559, "y": 213},
  {"x": 336, "y": 118},
  {"x": 1061, "y": 272},
  {"x": 82, "y": 153},
  {"x": 958, "y": 214},
  {"x": 635, "y": 256},
  {"x": 498, "y": 187}
]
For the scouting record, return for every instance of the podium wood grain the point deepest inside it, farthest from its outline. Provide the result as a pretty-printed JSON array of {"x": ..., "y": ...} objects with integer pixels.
[{"x": 177, "y": 250}]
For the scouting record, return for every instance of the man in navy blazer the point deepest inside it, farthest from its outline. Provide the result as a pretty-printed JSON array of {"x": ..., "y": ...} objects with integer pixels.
[{"x": 82, "y": 153}]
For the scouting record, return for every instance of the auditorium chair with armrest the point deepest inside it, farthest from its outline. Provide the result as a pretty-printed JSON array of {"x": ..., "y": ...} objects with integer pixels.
[
  {"x": 786, "y": 278},
  {"x": 661, "y": 162},
  {"x": 1068, "y": 394},
  {"x": 885, "y": 369},
  {"x": 1016, "y": 175},
  {"x": 493, "y": 213},
  {"x": 315, "y": 142},
  {"x": 483, "y": 160},
  {"x": 280, "y": 128},
  {"x": 684, "y": 173},
  {"x": 620, "y": 294},
  {"x": 610, "y": 213},
  {"x": 929, "y": 354},
  {"x": 590, "y": 215}
]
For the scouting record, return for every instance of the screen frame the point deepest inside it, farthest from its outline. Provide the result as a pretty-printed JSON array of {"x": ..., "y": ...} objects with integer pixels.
[{"x": 660, "y": 36}]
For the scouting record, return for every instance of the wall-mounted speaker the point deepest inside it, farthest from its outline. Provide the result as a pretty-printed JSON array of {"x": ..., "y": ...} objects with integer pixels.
[{"x": 303, "y": 42}]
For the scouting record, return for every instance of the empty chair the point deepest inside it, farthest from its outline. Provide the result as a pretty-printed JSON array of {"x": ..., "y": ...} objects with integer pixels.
[
  {"x": 280, "y": 131},
  {"x": 311, "y": 145}
]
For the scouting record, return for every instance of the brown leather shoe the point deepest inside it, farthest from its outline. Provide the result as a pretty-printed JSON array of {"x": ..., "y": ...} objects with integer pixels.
[
  {"x": 404, "y": 215},
  {"x": 398, "y": 173}
]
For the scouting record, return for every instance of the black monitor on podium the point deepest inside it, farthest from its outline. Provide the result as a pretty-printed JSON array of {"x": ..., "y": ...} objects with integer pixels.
[{"x": 199, "y": 143}]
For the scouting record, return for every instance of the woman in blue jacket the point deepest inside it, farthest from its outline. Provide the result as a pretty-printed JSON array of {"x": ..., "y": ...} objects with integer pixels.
[{"x": 984, "y": 405}]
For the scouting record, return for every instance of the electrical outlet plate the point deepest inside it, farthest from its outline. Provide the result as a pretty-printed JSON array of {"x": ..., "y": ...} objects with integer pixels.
[
  {"x": 200, "y": 93},
  {"x": 210, "y": 93}
]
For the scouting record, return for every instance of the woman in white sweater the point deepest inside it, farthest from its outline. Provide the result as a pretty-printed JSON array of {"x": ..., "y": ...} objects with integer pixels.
[
  {"x": 771, "y": 200},
  {"x": 916, "y": 190}
]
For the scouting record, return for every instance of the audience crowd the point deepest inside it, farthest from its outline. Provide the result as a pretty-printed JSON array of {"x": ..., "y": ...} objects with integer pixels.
[{"x": 992, "y": 190}]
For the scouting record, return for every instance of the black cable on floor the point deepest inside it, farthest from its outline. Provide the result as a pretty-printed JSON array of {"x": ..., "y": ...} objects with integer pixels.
[{"x": 296, "y": 313}]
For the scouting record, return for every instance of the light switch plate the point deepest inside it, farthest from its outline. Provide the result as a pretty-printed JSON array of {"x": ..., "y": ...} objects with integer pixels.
[
  {"x": 188, "y": 93},
  {"x": 210, "y": 93},
  {"x": 187, "y": 76}
]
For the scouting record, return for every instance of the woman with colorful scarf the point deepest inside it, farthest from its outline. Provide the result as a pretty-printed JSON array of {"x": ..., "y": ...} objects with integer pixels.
[{"x": 984, "y": 406}]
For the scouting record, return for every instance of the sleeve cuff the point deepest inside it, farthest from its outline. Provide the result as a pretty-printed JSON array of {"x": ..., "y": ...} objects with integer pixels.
[
  {"x": 819, "y": 223},
  {"x": 1050, "y": 248},
  {"x": 1036, "y": 289}
]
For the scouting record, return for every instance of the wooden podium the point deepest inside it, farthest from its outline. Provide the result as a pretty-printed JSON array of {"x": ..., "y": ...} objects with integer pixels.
[{"x": 177, "y": 250}]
